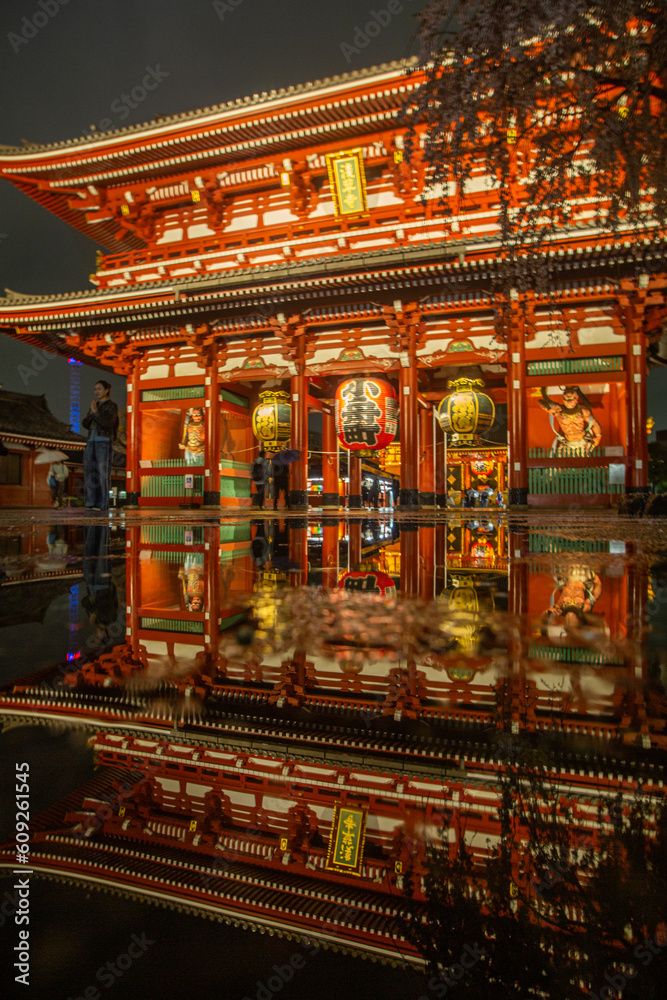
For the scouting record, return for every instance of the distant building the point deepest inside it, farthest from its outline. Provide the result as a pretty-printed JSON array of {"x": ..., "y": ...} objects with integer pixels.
[{"x": 26, "y": 426}]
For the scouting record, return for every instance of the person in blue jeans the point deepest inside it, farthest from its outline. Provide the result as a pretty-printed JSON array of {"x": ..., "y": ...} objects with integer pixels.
[{"x": 101, "y": 423}]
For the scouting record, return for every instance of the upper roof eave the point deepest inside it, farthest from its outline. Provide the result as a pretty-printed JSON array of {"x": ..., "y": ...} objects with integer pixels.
[{"x": 40, "y": 154}]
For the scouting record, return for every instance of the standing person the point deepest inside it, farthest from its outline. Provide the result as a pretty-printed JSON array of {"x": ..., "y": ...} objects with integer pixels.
[
  {"x": 374, "y": 494},
  {"x": 56, "y": 479},
  {"x": 280, "y": 484},
  {"x": 259, "y": 473},
  {"x": 101, "y": 423},
  {"x": 395, "y": 491}
]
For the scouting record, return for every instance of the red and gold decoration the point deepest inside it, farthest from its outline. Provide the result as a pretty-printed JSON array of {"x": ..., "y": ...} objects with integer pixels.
[
  {"x": 482, "y": 466},
  {"x": 348, "y": 182},
  {"x": 272, "y": 420},
  {"x": 466, "y": 412},
  {"x": 366, "y": 413},
  {"x": 346, "y": 844},
  {"x": 368, "y": 581}
]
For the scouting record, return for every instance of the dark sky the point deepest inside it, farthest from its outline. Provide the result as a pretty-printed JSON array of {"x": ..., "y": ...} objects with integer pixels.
[
  {"x": 73, "y": 73},
  {"x": 74, "y": 69}
]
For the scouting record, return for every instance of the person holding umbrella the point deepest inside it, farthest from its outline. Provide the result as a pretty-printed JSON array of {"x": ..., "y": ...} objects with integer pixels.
[
  {"x": 280, "y": 482},
  {"x": 279, "y": 467},
  {"x": 58, "y": 473},
  {"x": 56, "y": 478}
]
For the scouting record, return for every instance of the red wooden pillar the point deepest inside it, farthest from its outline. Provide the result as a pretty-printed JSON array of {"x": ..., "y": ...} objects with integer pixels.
[
  {"x": 427, "y": 563},
  {"x": 298, "y": 494},
  {"x": 133, "y": 484},
  {"x": 33, "y": 455},
  {"x": 329, "y": 553},
  {"x": 514, "y": 707},
  {"x": 212, "y": 593},
  {"x": 133, "y": 595},
  {"x": 409, "y": 495},
  {"x": 440, "y": 556},
  {"x": 409, "y": 560},
  {"x": 426, "y": 457},
  {"x": 298, "y": 551},
  {"x": 330, "y": 495},
  {"x": 211, "y": 496},
  {"x": 354, "y": 491},
  {"x": 516, "y": 407},
  {"x": 635, "y": 724},
  {"x": 439, "y": 466},
  {"x": 637, "y": 475},
  {"x": 355, "y": 544}
]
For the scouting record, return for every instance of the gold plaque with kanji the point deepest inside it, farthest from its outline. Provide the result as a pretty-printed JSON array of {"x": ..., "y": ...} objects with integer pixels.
[
  {"x": 346, "y": 844},
  {"x": 348, "y": 182}
]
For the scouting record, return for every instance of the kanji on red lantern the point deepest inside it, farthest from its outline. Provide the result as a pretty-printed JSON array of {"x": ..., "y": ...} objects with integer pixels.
[
  {"x": 368, "y": 582},
  {"x": 366, "y": 413}
]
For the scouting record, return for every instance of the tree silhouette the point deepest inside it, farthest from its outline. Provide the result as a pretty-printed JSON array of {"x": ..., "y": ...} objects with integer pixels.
[
  {"x": 563, "y": 105},
  {"x": 561, "y": 906}
]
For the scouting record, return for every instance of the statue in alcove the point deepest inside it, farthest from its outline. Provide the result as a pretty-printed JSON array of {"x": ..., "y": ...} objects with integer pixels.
[{"x": 194, "y": 436}]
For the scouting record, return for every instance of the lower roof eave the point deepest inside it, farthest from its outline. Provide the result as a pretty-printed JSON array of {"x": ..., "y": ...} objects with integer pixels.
[{"x": 46, "y": 442}]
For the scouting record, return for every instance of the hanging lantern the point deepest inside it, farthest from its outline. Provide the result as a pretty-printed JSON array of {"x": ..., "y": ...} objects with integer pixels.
[
  {"x": 366, "y": 413},
  {"x": 272, "y": 420},
  {"x": 482, "y": 466},
  {"x": 466, "y": 412},
  {"x": 368, "y": 581}
]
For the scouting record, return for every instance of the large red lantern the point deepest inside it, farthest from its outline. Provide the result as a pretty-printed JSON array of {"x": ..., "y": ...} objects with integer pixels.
[
  {"x": 366, "y": 413},
  {"x": 368, "y": 581}
]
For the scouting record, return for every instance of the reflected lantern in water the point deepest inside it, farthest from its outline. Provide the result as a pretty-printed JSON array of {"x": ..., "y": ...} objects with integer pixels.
[
  {"x": 272, "y": 420},
  {"x": 368, "y": 581},
  {"x": 366, "y": 413},
  {"x": 466, "y": 412}
]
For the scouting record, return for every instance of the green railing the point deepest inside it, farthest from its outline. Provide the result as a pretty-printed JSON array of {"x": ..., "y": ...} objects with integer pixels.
[
  {"x": 575, "y": 366},
  {"x": 170, "y": 486},
  {"x": 564, "y": 452},
  {"x": 232, "y": 397},
  {"x": 572, "y": 481},
  {"x": 573, "y": 654},
  {"x": 553, "y": 543},
  {"x": 168, "y": 463},
  {"x": 230, "y": 463},
  {"x": 170, "y": 534},
  {"x": 177, "y": 392},
  {"x": 172, "y": 625}
]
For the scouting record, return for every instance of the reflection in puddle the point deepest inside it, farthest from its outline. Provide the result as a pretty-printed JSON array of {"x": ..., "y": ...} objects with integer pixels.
[{"x": 441, "y": 741}]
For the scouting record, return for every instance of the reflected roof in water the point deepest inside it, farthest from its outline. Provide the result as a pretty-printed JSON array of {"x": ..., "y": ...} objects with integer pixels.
[{"x": 298, "y": 719}]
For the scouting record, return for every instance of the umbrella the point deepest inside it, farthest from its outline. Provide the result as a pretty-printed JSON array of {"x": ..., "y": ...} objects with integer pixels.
[
  {"x": 47, "y": 457},
  {"x": 285, "y": 457}
]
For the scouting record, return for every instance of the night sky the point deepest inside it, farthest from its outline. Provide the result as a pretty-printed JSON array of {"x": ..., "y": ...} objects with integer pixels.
[
  {"x": 72, "y": 74},
  {"x": 75, "y": 70}
]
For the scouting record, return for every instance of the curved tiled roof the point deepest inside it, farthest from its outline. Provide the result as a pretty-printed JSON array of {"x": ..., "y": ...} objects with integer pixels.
[
  {"x": 240, "y": 104},
  {"x": 30, "y": 417}
]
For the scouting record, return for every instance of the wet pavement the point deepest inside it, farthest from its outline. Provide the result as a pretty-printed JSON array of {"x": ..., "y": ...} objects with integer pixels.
[{"x": 199, "y": 696}]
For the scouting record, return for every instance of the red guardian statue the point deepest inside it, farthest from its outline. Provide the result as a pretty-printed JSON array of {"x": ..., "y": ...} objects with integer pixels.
[{"x": 194, "y": 436}]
